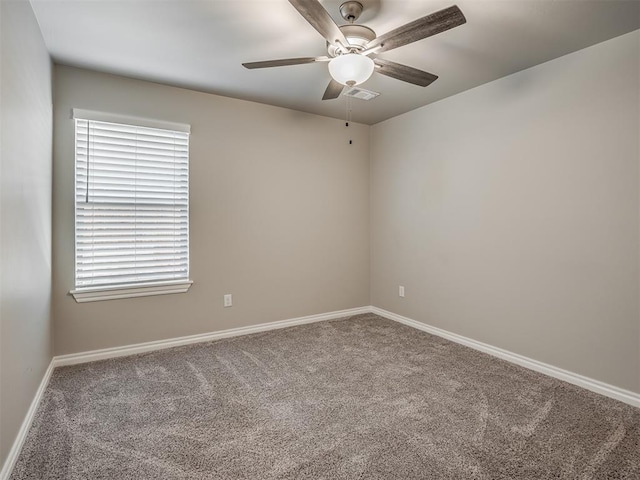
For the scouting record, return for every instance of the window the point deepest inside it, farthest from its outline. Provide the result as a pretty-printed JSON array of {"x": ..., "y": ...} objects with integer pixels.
[{"x": 131, "y": 208}]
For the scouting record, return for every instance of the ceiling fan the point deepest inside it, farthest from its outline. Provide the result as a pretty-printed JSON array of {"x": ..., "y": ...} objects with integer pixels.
[{"x": 352, "y": 48}]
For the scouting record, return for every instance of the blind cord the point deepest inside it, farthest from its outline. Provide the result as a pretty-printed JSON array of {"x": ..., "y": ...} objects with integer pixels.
[{"x": 89, "y": 138}]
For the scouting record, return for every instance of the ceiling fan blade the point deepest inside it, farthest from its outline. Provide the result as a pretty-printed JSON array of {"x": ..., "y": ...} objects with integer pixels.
[
  {"x": 334, "y": 89},
  {"x": 285, "y": 62},
  {"x": 319, "y": 18},
  {"x": 424, "y": 27},
  {"x": 404, "y": 73}
]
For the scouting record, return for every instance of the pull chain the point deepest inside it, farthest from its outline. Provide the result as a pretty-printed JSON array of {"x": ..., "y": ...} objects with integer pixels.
[{"x": 348, "y": 115}]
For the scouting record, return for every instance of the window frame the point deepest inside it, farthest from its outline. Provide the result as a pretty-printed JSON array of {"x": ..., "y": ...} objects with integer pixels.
[{"x": 84, "y": 294}]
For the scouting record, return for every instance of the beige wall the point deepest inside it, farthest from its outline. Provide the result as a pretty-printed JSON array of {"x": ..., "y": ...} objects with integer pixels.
[
  {"x": 25, "y": 216},
  {"x": 510, "y": 213},
  {"x": 279, "y": 214}
]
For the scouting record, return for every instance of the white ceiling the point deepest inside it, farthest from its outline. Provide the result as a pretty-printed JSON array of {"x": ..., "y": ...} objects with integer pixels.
[{"x": 201, "y": 45}]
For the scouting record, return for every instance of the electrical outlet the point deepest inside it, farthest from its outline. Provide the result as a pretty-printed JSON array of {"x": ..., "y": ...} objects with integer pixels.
[
  {"x": 228, "y": 301},
  {"x": 401, "y": 291}
]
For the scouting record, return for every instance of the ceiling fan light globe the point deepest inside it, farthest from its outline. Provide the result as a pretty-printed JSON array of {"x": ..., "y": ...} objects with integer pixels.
[{"x": 351, "y": 69}]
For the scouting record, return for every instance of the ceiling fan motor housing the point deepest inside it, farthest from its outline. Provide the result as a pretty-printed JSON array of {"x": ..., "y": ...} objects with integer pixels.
[{"x": 357, "y": 36}]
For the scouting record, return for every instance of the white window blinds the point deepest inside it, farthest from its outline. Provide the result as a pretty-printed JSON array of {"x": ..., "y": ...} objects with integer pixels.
[{"x": 132, "y": 205}]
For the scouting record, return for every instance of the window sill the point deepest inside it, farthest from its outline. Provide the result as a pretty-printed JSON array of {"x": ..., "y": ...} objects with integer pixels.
[{"x": 97, "y": 294}]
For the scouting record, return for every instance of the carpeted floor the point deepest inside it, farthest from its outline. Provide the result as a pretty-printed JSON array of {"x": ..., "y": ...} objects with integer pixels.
[{"x": 359, "y": 398}]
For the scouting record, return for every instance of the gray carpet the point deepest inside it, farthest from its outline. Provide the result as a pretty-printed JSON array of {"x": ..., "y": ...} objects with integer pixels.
[{"x": 359, "y": 398}]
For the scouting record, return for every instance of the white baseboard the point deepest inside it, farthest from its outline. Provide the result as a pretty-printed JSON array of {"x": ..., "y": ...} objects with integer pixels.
[
  {"x": 103, "y": 354},
  {"x": 596, "y": 386},
  {"x": 11, "y": 459}
]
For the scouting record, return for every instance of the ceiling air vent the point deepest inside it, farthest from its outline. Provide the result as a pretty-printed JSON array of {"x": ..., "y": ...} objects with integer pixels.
[{"x": 361, "y": 93}]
